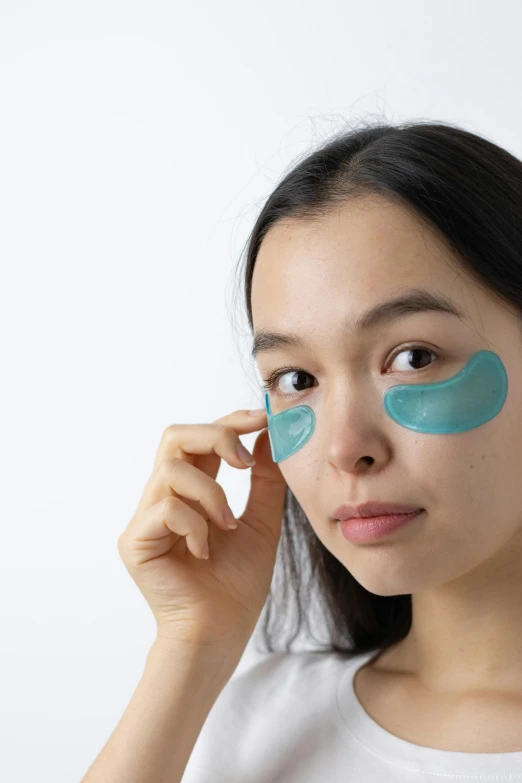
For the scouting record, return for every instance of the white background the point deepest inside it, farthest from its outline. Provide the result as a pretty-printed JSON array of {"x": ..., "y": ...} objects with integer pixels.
[{"x": 138, "y": 142}]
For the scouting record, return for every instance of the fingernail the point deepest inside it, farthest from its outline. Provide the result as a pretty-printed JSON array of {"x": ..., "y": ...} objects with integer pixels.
[
  {"x": 230, "y": 520},
  {"x": 256, "y": 412},
  {"x": 245, "y": 455}
]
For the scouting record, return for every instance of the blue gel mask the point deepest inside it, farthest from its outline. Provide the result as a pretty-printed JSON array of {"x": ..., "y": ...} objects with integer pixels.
[{"x": 470, "y": 398}]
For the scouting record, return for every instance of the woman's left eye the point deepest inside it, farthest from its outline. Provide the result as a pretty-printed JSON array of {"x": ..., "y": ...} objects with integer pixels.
[{"x": 270, "y": 382}]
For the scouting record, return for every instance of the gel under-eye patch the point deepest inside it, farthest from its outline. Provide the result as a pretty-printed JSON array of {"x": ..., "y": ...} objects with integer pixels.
[{"x": 470, "y": 398}]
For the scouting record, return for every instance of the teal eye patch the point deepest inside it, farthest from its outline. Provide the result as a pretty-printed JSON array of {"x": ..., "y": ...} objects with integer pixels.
[
  {"x": 470, "y": 398},
  {"x": 290, "y": 430}
]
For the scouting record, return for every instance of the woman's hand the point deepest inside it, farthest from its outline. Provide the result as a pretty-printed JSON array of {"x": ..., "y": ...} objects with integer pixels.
[{"x": 216, "y": 601}]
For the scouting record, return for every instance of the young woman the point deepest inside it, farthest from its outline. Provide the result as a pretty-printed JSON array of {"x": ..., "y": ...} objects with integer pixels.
[{"x": 383, "y": 287}]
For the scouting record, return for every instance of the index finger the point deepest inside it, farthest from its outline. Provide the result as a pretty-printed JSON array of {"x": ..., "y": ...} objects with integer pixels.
[
  {"x": 243, "y": 420},
  {"x": 173, "y": 441}
]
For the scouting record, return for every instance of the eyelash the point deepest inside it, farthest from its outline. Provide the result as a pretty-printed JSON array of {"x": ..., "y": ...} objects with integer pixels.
[{"x": 270, "y": 382}]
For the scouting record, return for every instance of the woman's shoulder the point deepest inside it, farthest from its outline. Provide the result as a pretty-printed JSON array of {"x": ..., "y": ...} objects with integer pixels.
[{"x": 265, "y": 678}]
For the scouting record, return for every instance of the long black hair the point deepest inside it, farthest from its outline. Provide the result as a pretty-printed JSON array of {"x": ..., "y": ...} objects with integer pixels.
[{"x": 469, "y": 191}]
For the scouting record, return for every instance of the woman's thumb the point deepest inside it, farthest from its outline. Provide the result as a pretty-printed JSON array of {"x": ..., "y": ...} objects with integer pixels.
[{"x": 266, "y": 499}]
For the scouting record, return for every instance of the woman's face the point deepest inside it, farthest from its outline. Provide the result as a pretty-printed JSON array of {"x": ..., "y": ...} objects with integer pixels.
[{"x": 315, "y": 278}]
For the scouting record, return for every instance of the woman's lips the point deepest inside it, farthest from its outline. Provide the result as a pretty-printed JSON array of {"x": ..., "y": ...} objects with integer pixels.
[
  {"x": 372, "y": 508},
  {"x": 361, "y": 529}
]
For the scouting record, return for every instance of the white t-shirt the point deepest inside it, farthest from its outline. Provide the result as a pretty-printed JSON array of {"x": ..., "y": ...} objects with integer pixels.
[{"x": 295, "y": 718}]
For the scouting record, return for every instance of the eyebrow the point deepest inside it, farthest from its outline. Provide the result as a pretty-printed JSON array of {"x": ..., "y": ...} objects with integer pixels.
[{"x": 417, "y": 300}]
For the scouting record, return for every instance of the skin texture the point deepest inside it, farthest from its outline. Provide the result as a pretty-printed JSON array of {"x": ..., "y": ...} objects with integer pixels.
[{"x": 463, "y": 562}]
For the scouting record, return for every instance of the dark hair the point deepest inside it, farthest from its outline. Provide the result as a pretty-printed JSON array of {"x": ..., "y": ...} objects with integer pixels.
[{"x": 469, "y": 191}]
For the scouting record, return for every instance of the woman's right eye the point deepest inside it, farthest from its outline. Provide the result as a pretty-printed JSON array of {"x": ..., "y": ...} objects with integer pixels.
[{"x": 296, "y": 375}]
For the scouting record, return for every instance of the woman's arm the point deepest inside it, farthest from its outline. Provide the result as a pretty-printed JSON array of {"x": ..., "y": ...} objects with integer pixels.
[{"x": 157, "y": 732}]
